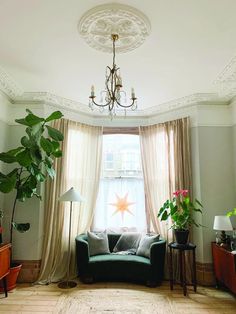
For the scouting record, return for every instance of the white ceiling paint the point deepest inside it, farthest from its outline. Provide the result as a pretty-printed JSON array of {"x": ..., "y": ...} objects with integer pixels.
[{"x": 190, "y": 44}]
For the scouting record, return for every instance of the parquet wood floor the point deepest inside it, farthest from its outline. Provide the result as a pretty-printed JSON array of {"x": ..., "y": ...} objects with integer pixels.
[{"x": 115, "y": 298}]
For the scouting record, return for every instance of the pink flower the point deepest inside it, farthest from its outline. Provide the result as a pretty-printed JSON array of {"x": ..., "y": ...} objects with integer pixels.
[
  {"x": 184, "y": 193},
  {"x": 177, "y": 193}
]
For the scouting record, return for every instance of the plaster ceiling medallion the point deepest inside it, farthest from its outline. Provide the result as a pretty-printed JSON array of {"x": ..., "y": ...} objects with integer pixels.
[{"x": 97, "y": 25}]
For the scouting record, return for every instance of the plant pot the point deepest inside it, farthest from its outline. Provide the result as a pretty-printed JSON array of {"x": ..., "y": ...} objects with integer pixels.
[
  {"x": 11, "y": 277},
  {"x": 181, "y": 236}
]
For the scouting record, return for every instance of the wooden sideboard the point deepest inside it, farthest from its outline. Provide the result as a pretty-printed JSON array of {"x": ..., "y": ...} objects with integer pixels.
[
  {"x": 5, "y": 253},
  {"x": 224, "y": 266}
]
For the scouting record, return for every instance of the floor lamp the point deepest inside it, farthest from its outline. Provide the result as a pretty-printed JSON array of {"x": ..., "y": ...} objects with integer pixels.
[{"x": 70, "y": 196}]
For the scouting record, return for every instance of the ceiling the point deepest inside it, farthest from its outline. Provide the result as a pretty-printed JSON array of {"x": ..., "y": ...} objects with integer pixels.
[{"x": 190, "y": 44}]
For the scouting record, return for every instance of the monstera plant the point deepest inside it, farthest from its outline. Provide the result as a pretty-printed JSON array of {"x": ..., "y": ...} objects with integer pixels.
[{"x": 31, "y": 161}]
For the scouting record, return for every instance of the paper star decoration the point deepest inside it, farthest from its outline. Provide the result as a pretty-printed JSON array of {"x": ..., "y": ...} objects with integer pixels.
[{"x": 122, "y": 205}]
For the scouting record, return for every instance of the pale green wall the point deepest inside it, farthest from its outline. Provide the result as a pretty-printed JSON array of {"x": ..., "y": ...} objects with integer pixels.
[
  {"x": 213, "y": 179},
  {"x": 197, "y": 232}
]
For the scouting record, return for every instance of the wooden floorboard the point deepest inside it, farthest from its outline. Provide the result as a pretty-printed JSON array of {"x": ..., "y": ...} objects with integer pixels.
[{"x": 115, "y": 298}]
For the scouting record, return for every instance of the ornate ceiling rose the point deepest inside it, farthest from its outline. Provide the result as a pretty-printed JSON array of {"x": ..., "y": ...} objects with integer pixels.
[{"x": 97, "y": 25}]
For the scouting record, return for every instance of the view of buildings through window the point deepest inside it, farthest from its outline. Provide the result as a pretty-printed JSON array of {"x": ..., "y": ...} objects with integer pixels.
[
  {"x": 121, "y": 156},
  {"x": 121, "y": 201}
]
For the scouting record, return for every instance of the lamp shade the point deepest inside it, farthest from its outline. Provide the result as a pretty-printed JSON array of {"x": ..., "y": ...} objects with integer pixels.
[
  {"x": 71, "y": 196},
  {"x": 222, "y": 223}
]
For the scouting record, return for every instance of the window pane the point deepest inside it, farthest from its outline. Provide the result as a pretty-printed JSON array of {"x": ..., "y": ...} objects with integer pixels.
[{"x": 121, "y": 201}]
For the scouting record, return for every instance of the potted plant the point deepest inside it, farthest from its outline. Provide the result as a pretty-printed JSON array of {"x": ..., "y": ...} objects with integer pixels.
[
  {"x": 180, "y": 210},
  {"x": 232, "y": 212},
  {"x": 31, "y": 162}
]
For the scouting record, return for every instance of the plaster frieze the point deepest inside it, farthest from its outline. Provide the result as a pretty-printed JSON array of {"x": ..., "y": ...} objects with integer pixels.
[
  {"x": 8, "y": 85},
  {"x": 226, "y": 80}
]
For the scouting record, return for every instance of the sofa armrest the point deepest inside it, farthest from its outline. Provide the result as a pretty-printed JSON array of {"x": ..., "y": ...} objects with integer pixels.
[
  {"x": 157, "y": 257},
  {"x": 82, "y": 254}
]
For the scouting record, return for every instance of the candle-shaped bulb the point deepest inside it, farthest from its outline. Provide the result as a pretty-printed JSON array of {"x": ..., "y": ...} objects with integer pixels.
[
  {"x": 92, "y": 90},
  {"x": 119, "y": 80},
  {"x": 132, "y": 93}
]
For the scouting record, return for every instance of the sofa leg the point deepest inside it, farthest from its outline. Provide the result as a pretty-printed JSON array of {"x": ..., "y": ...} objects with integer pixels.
[{"x": 151, "y": 283}]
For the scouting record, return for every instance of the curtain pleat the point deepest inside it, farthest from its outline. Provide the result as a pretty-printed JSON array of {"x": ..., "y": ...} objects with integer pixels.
[
  {"x": 166, "y": 162},
  {"x": 80, "y": 168}
]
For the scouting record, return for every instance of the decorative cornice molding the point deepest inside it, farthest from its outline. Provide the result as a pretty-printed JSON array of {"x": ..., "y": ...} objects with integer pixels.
[
  {"x": 97, "y": 25},
  {"x": 187, "y": 101},
  {"x": 8, "y": 85},
  {"x": 226, "y": 80},
  {"x": 70, "y": 105}
]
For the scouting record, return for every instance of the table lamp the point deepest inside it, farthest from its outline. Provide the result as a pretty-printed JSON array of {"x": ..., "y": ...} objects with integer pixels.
[
  {"x": 70, "y": 196},
  {"x": 222, "y": 223}
]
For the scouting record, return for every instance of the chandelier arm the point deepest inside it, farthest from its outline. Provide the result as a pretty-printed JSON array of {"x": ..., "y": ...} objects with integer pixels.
[
  {"x": 126, "y": 106},
  {"x": 99, "y": 105}
]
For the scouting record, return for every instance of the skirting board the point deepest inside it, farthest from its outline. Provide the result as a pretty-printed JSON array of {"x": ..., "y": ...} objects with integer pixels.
[
  {"x": 205, "y": 274},
  {"x": 29, "y": 271}
]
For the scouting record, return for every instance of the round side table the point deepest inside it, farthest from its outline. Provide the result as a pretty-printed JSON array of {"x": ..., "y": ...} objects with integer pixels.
[{"x": 181, "y": 248}]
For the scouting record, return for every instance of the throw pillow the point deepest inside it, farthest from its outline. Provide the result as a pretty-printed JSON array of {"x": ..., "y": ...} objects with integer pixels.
[
  {"x": 145, "y": 244},
  {"x": 127, "y": 241},
  {"x": 98, "y": 243}
]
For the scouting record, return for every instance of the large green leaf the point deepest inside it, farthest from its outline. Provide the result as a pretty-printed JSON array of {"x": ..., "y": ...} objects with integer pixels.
[
  {"x": 36, "y": 154},
  {"x": 25, "y": 141},
  {"x": 15, "y": 151},
  {"x": 21, "y": 227},
  {"x": 48, "y": 162},
  {"x": 56, "y": 145},
  {"x": 54, "y": 116},
  {"x": 160, "y": 211},
  {"x": 164, "y": 215},
  {"x": 55, "y": 134},
  {"x": 8, "y": 183},
  {"x": 24, "y": 158},
  {"x": 40, "y": 177},
  {"x": 51, "y": 172},
  {"x": 46, "y": 145},
  {"x": 22, "y": 121},
  {"x": 57, "y": 154},
  {"x": 36, "y": 172},
  {"x": 32, "y": 119},
  {"x": 5, "y": 157}
]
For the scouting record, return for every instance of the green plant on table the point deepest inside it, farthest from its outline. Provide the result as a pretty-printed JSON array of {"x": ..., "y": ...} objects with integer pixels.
[
  {"x": 232, "y": 212},
  {"x": 32, "y": 161},
  {"x": 180, "y": 209}
]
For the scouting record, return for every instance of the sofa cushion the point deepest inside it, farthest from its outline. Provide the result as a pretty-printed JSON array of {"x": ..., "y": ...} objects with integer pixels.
[
  {"x": 145, "y": 244},
  {"x": 127, "y": 241},
  {"x": 118, "y": 258},
  {"x": 98, "y": 243}
]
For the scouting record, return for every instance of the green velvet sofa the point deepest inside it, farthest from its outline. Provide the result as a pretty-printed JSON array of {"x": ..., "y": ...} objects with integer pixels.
[{"x": 117, "y": 267}]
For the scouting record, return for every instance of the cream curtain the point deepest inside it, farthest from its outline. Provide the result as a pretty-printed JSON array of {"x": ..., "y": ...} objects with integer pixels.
[
  {"x": 79, "y": 168},
  {"x": 166, "y": 162}
]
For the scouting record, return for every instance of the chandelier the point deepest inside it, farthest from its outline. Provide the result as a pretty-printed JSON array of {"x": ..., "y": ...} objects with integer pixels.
[{"x": 112, "y": 97}]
